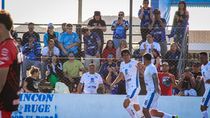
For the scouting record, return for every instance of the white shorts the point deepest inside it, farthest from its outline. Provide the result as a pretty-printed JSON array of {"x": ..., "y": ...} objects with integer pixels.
[
  {"x": 132, "y": 95},
  {"x": 151, "y": 100},
  {"x": 206, "y": 97}
]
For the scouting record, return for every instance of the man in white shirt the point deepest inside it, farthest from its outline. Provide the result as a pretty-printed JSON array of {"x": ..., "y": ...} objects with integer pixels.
[
  {"x": 129, "y": 72},
  {"x": 91, "y": 81},
  {"x": 153, "y": 89},
  {"x": 205, "y": 71},
  {"x": 149, "y": 45}
]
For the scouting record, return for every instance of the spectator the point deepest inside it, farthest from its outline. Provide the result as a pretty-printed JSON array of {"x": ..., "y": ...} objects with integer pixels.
[
  {"x": 32, "y": 53},
  {"x": 172, "y": 57},
  {"x": 63, "y": 26},
  {"x": 51, "y": 34},
  {"x": 109, "y": 49},
  {"x": 156, "y": 59},
  {"x": 123, "y": 45},
  {"x": 14, "y": 33},
  {"x": 105, "y": 71},
  {"x": 158, "y": 30},
  {"x": 200, "y": 85},
  {"x": 145, "y": 15},
  {"x": 9, "y": 67},
  {"x": 54, "y": 71},
  {"x": 69, "y": 41},
  {"x": 149, "y": 45},
  {"x": 167, "y": 80},
  {"x": 119, "y": 27},
  {"x": 187, "y": 84},
  {"x": 71, "y": 70},
  {"x": 47, "y": 53},
  {"x": 98, "y": 26},
  {"x": 180, "y": 23},
  {"x": 92, "y": 47},
  {"x": 91, "y": 82},
  {"x": 31, "y": 83},
  {"x": 19, "y": 41},
  {"x": 30, "y": 33}
]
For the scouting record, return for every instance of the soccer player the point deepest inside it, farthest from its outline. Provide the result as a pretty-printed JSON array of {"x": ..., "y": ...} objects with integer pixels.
[
  {"x": 205, "y": 70},
  {"x": 91, "y": 81},
  {"x": 9, "y": 68},
  {"x": 153, "y": 89},
  {"x": 129, "y": 72}
]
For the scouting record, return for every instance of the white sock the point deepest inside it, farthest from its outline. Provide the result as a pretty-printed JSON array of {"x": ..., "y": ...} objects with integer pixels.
[
  {"x": 166, "y": 115},
  {"x": 205, "y": 114},
  {"x": 139, "y": 114},
  {"x": 131, "y": 111}
]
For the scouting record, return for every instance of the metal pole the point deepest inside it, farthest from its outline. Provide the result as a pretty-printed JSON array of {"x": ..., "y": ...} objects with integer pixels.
[
  {"x": 130, "y": 26},
  {"x": 2, "y": 4},
  {"x": 79, "y": 11}
]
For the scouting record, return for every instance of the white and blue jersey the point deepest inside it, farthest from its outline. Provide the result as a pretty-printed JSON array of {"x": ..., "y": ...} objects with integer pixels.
[
  {"x": 131, "y": 76},
  {"x": 151, "y": 96},
  {"x": 205, "y": 70},
  {"x": 120, "y": 31}
]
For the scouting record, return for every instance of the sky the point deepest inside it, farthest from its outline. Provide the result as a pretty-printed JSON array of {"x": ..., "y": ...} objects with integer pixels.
[{"x": 59, "y": 11}]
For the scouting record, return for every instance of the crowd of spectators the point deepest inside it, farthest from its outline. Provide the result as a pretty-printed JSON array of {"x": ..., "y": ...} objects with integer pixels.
[{"x": 61, "y": 61}]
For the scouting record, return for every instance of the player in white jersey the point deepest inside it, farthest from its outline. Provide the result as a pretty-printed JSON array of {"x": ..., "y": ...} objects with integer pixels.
[
  {"x": 153, "y": 89},
  {"x": 129, "y": 72},
  {"x": 91, "y": 81},
  {"x": 205, "y": 70}
]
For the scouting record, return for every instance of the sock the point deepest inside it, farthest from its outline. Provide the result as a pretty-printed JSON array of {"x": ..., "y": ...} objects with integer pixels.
[
  {"x": 130, "y": 111},
  {"x": 166, "y": 115},
  {"x": 205, "y": 114},
  {"x": 139, "y": 114}
]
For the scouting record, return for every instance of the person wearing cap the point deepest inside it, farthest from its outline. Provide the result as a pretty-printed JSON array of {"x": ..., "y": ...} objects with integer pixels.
[
  {"x": 158, "y": 30},
  {"x": 69, "y": 41},
  {"x": 145, "y": 15},
  {"x": 51, "y": 34},
  {"x": 9, "y": 67},
  {"x": 205, "y": 70},
  {"x": 129, "y": 72},
  {"x": 91, "y": 82},
  {"x": 30, "y": 33},
  {"x": 149, "y": 45},
  {"x": 98, "y": 26},
  {"x": 71, "y": 70},
  {"x": 166, "y": 80},
  {"x": 91, "y": 47},
  {"x": 119, "y": 28},
  {"x": 153, "y": 89}
]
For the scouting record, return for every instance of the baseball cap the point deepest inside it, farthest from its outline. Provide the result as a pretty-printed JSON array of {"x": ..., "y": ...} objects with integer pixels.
[
  {"x": 165, "y": 63},
  {"x": 50, "y": 25},
  {"x": 6, "y": 19}
]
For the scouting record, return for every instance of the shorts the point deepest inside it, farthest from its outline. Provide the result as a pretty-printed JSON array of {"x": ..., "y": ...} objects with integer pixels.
[
  {"x": 206, "y": 97},
  {"x": 151, "y": 100},
  {"x": 132, "y": 95},
  {"x": 5, "y": 114}
]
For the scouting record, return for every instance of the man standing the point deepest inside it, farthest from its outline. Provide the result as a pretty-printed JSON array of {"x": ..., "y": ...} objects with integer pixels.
[
  {"x": 205, "y": 70},
  {"x": 129, "y": 73},
  {"x": 9, "y": 68},
  {"x": 98, "y": 26},
  {"x": 153, "y": 89}
]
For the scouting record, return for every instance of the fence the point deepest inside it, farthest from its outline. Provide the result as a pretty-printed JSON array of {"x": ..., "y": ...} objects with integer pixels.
[{"x": 179, "y": 62}]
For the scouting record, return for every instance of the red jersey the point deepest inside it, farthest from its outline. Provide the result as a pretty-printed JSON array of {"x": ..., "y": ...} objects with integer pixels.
[
  {"x": 165, "y": 80},
  {"x": 8, "y": 58}
]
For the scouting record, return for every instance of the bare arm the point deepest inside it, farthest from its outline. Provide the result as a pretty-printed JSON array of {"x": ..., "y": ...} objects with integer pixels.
[
  {"x": 118, "y": 79},
  {"x": 25, "y": 87},
  {"x": 79, "y": 88},
  {"x": 62, "y": 48},
  {"x": 3, "y": 73}
]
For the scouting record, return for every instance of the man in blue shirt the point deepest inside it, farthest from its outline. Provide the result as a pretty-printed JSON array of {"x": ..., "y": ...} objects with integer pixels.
[
  {"x": 69, "y": 41},
  {"x": 32, "y": 54},
  {"x": 119, "y": 27},
  {"x": 91, "y": 47}
]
